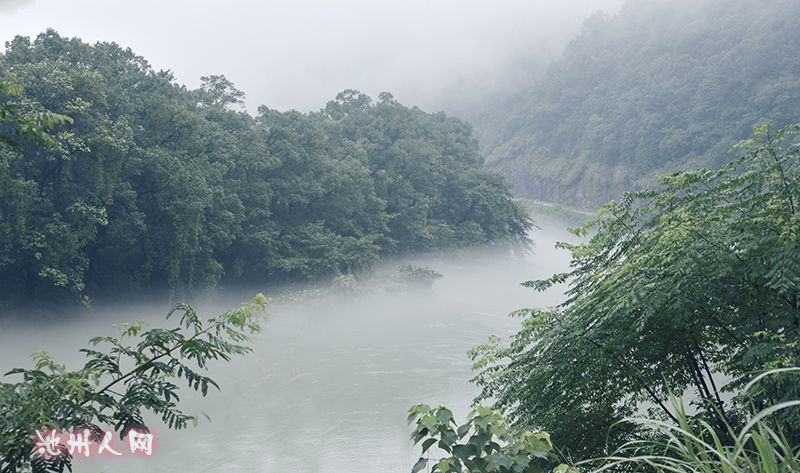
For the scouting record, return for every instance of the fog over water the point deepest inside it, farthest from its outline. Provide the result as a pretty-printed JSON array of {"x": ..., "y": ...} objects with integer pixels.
[
  {"x": 330, "y": 379},
  {"x": 301, "y": 53}
]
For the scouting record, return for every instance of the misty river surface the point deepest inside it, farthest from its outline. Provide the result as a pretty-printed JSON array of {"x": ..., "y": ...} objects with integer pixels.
[{"x": 330, "y": 379}]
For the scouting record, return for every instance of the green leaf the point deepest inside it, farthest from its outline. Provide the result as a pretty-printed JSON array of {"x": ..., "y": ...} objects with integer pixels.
[{"x": 427, "y": 444}]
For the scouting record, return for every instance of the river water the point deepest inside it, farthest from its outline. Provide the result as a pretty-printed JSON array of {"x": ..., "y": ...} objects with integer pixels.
[{"x": 331, "y": 378}]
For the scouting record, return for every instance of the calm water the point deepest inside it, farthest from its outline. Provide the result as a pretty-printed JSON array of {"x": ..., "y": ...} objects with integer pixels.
[{"x": 330, "y": 379}]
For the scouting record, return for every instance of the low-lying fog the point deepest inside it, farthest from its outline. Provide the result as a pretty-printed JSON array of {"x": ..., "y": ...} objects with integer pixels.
[{"x": 330, "y": 379}]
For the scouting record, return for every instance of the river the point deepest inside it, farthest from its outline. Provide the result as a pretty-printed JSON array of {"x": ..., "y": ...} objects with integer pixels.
[{"x": 330, "y": 379}]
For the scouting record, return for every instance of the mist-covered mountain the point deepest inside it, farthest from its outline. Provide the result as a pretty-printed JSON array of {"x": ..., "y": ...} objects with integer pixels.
[{"x": 662, "y": 85}]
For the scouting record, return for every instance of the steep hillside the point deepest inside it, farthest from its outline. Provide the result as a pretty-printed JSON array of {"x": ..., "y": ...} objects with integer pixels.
[{"x": 663, "y": 85}]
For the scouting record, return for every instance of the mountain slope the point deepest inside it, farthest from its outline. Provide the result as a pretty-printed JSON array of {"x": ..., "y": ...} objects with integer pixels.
[{"x": 661, "y": 86}]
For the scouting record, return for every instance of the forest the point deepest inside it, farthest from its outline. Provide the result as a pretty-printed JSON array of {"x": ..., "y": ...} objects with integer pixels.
[
  {"x": 154, "y": 185},
  {"x": 659, "y": 87}
]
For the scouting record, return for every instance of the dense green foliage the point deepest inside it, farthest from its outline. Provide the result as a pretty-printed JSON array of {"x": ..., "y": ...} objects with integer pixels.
[
  {"x": 695, "y": 446},
  {"x": 158, "y": 186},
  {"x": 18, "y": 123},
  {"x": 659, "y": 87},
  {"x": 677, "y": 290},
  {"x": 485, "y": 443},
  {"x": 142, "y": 366}
]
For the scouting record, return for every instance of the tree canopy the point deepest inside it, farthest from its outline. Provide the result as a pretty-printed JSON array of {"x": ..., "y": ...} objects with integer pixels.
[
  {"x": 692, "y": 287},
  {"x": 156, "y": 185}
]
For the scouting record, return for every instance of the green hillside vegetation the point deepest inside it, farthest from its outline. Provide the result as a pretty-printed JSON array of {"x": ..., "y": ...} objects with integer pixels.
[
  {"x": 660, "y": 86},
  {"x": 691, "y": 288},
  {"x": 154, "y": 185},
  {"x": 687, "y": 293}
]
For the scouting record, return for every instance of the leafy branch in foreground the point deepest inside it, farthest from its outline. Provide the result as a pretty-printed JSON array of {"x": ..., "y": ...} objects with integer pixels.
[
  {"x": 20, "y": 123},
  {"x": 486, "y": 444},
  {"x": 678, "y": 288},
  {"x": 483, "y": 444},
  {"x": 124, "y": 377}
]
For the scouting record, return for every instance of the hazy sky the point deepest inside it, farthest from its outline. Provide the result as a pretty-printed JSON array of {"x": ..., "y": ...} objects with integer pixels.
[{"x": 300, "y": 53}]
